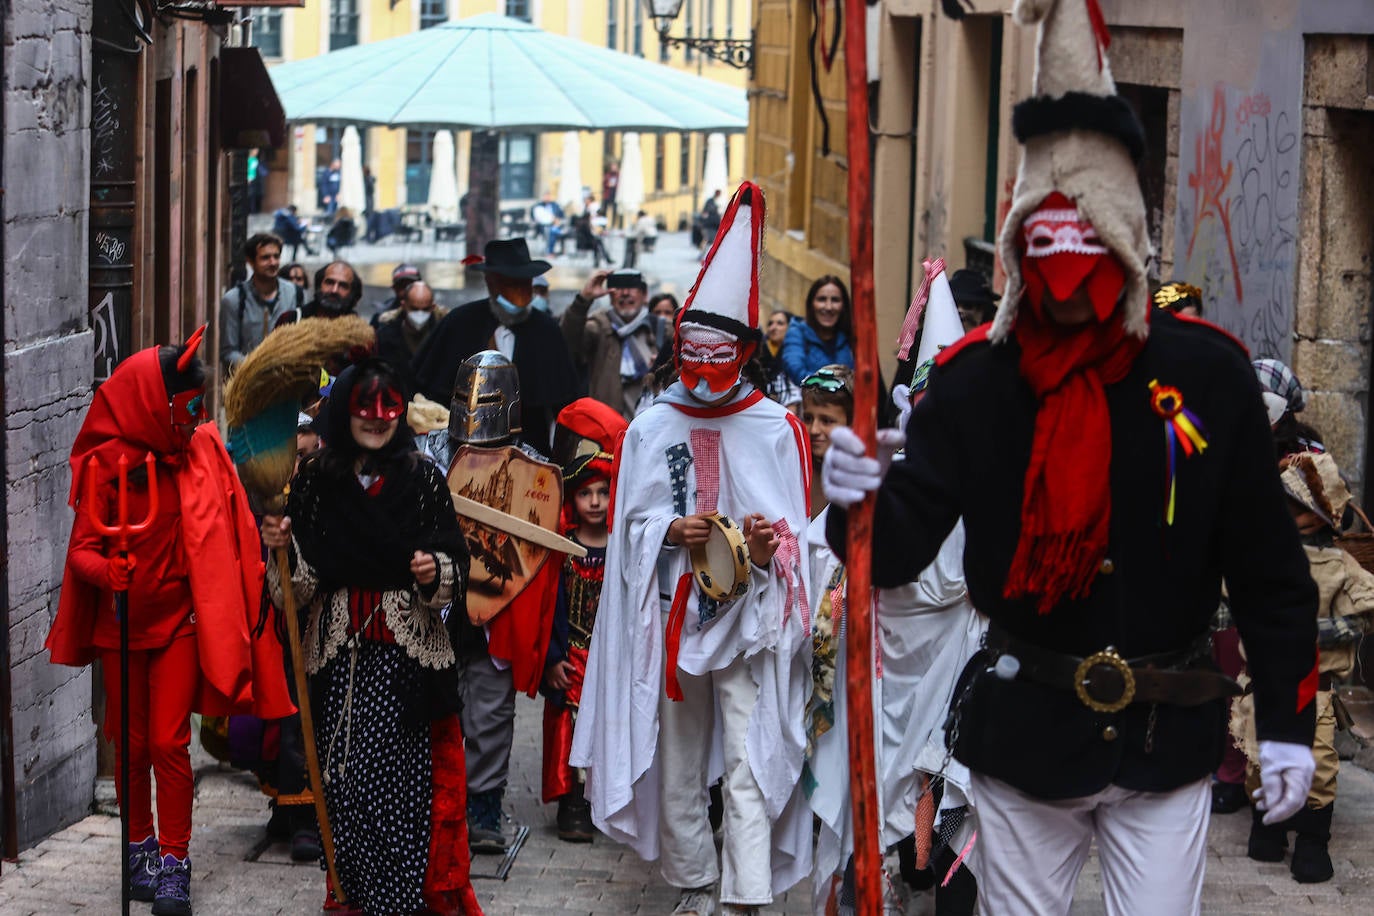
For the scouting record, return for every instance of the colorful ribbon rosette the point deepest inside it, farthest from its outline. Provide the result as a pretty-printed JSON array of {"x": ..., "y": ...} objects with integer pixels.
[{"x": 1183, "y": 431}]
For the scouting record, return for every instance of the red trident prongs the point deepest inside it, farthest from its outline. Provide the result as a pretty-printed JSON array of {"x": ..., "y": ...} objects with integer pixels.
[{"x": 122, "y": 529}]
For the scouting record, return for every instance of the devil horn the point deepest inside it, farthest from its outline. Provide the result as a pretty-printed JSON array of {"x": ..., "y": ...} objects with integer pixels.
[{"x": 192, "y": 345}]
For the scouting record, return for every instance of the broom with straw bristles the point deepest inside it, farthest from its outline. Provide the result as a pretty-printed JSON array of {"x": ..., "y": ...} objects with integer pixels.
[{"x": 261, "y": 404}]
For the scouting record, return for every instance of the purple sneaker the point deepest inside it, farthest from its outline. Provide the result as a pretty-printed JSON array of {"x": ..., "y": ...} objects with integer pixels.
[
  {"x": 173, "y": 887},
  {"x": 143, "y": 868}
]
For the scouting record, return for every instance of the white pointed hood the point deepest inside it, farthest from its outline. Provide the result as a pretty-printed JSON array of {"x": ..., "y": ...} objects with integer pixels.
[
  {"x": 726, "y": 293},
  {"x": 934, "y": 312}
]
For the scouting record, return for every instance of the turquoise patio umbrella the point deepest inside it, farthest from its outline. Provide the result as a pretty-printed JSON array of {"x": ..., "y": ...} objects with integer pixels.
[{"x": 491, "y": 72}]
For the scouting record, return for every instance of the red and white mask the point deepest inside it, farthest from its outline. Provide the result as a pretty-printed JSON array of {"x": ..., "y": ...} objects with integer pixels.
[
  {"x": 711, "y": 356},
  {"x": 1062, "y": 253}
]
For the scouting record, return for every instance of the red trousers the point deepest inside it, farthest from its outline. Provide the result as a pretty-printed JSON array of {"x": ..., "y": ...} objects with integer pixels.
[{"x": 162, "y": 686}]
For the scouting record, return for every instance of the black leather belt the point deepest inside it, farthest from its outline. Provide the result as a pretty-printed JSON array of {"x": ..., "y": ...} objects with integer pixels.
[{"x": 1106, "y": 682}]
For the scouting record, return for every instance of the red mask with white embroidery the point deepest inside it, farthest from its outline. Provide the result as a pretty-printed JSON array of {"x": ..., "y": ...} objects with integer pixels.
[
  {"x": 1063, "y": 253},
  {"x": 709, "y": 355}
]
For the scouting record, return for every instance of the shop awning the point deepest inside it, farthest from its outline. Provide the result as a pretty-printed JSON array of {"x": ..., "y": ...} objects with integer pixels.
[{"x": 250, "y": 114}]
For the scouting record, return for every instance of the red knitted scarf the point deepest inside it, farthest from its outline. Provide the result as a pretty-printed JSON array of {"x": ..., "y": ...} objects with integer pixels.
[{"x": 1066, "y": 506}]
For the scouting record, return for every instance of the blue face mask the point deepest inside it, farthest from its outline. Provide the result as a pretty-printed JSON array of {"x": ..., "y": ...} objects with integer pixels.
[
  {"x": 540, "y": 302},
  {"x": 510, "y": 308}
]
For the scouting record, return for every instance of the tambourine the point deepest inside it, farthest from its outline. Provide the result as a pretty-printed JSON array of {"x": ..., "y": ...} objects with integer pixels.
[{"x": 721, "y": 565}]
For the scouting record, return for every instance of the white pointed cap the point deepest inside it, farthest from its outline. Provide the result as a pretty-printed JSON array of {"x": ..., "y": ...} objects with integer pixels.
[
  {"x": 726, "y": 292},
  {"x": 942, "y": 325}
]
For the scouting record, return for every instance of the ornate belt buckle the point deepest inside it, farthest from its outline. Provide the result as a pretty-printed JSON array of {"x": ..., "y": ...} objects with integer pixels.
[{"x": 1111, "y": 659}]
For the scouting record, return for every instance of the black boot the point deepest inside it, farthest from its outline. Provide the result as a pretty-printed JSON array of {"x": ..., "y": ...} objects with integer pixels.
[
  {"x": 305, "y": 834},
  {"x": 1311, "y": 861},
  {"x": 1267, "y": 842},
  {"x": 575, "y": 818}
]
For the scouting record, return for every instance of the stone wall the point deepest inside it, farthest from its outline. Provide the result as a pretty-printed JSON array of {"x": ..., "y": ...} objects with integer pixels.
[
  {"x": 1331, "y": 352},
  {"x": 48, "y": 367}
]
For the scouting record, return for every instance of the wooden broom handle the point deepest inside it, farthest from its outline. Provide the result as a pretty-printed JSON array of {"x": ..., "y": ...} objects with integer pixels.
[{"x": 312, "y": 758}]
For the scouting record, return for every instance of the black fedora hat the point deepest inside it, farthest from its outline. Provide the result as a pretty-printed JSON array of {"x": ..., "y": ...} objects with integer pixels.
[
  {"x": 970, "y": 287},
  {"x": 511, "y": 258}
]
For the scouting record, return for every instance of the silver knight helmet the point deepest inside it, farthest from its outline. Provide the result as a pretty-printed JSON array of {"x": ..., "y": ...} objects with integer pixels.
[{"x": 486, "y": 400}]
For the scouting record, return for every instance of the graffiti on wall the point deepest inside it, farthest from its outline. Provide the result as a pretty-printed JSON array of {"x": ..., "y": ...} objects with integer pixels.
[{"x": 1238, "y": 202}]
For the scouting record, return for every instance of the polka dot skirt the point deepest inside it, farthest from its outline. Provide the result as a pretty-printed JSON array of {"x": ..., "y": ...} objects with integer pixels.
[{"x": 377, "y": 774}]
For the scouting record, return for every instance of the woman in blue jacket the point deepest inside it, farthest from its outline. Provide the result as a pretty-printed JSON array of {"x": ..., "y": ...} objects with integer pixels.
[{"x": 823, "y": 338}]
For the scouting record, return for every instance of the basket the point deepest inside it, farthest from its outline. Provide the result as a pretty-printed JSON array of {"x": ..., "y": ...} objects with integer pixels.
[{"x": 1361, "y": 544}]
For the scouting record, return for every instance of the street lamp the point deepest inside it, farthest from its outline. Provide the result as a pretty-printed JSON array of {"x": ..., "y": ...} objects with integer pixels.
[{"x": 737, "y": 52}]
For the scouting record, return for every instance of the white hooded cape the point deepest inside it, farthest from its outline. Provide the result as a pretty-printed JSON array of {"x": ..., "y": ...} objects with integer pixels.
[
  {"x": 926, "y": 631},
  {"x": 764, "y": 467}
]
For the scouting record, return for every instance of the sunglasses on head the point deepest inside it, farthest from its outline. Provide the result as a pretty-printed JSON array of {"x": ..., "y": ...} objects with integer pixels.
[{"x": 826, "y": 380}]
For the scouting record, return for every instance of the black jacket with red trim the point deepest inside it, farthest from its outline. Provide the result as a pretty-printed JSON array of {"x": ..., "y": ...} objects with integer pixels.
[{"x": 968, "y": 444}]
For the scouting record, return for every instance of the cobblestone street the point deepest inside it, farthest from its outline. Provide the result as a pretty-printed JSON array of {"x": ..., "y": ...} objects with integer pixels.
[{"x": 74, "y": 870}]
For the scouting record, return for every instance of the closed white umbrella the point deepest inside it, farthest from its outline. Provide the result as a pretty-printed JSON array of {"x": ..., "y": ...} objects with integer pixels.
[
  {"x": 351, "y": 193},
  {"x": 629, "y": 195},
  {"x": 716, "y": 176},
  {"x": 570, "y": 170},
  {"x": 443, "y": 179}
]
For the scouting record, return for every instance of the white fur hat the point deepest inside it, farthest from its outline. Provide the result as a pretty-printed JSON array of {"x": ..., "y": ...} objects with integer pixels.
[
  {"x": 725, "y": 295},
  {"x": 1083, "y": 140}
]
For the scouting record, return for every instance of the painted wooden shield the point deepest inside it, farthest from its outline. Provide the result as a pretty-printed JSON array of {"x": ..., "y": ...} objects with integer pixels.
[{"x": 511, "y": 481}]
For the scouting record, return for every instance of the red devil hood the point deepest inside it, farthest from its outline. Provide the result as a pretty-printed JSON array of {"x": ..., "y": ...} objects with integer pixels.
[{"x": 130, "y": 416}]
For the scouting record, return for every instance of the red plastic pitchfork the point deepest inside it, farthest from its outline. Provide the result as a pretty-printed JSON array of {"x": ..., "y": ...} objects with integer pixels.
[{"x": 121, "y": 531}]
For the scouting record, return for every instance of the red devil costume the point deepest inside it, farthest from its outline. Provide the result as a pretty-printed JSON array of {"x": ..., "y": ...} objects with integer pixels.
[
  {"x": 194, "y": 580},
  {"x": 585, "y": 441},
  {"x": 1112, "y": 467}
]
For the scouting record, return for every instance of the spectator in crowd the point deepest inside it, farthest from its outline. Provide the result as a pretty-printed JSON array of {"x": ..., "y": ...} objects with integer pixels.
[
  {"x": 527, "y": 337},
  {"x": 291, "y": 229},
  {"x": 337, "y": 291},
  {"x": 252, "y": 307},
  {"x": 610, "y": 183},
  {"x": 708, "y": 222},
  {"x": 343, "y": 233},
  {"x": 401, "y": 277},
  {"x": 329, "y": 187},
  {"x": 641, "y": 237},
  {"x": 973, "y": 297},
  {"x": 296, "y": 273},
  {"x": 540, "y": 285},
  {"x": 616, "y": 347},
  {"x": 780, "y": 387},
  {"x": 823, "y": 338},
  {"x": 549, "y": 216},
  {"x": 402, "y": 330}
]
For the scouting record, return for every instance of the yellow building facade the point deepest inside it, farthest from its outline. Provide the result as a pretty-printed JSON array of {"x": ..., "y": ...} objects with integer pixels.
[{"x": 532, "y": 164}]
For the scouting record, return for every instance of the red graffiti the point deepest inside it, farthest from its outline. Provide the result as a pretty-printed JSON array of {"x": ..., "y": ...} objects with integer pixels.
[
  {"x": 1257, "y": 106},
  {"x": 1209, "y": 181}
]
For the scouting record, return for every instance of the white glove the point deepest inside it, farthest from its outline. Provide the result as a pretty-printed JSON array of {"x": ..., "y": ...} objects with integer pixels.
[
  {"x": 901, "y": 399},
  {"x": 847, "y": 474},
  {"x": 1285, "y": 777}
]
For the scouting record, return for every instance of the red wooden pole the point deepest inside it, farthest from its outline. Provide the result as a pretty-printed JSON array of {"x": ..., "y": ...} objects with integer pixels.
[{"x": 858, "y": 600}]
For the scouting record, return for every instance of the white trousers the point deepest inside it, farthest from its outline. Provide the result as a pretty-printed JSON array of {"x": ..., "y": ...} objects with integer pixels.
[
  {"x": 688, "y": 849},
  {"x": 1152, "y": 847}
]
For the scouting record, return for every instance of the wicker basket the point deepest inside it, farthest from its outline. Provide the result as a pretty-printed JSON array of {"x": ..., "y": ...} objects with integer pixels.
[{"x": 1361, "y": 544}]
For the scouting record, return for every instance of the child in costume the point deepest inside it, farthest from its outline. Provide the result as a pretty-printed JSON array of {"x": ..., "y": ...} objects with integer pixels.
[
  {"x": 682, "y": 688},
  {"x": 1317, "y": 497},
  {"x": 584, "y": 443},
  {"x": 925, "y": 631},
  {"x": 377, "y": 559},
  {"x": 194, "y": 580}
]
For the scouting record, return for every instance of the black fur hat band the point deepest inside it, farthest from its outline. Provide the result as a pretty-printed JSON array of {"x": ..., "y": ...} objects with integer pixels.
[{"x": 1106, "y": 114}]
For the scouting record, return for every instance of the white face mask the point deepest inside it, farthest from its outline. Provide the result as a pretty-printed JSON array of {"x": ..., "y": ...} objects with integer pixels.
[{"x": 418, "y": 318}]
